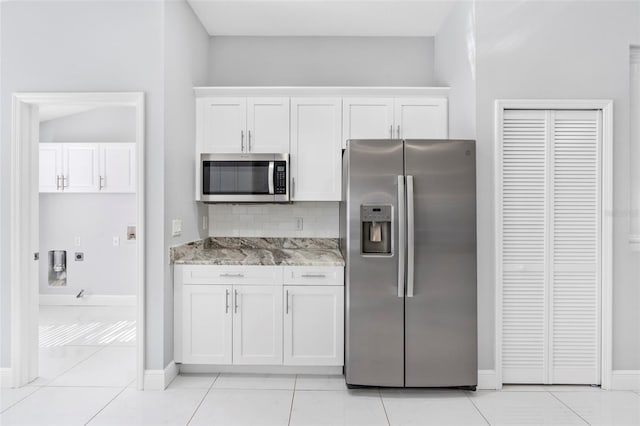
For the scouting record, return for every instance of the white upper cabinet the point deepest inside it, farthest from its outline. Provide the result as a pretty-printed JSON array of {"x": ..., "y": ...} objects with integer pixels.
[
  {"x": 117, "y": 167},
  {"x": 367, "y": 118},
  {"x": 244, "y": 125},
  {"x": 80, "y": 167},
  {"x": 268, "y": 125},
  {"x": 50, "y": 177},
  {"x": 316, "y": 149},
  {"x": 394, "y": 118},
  {"x": 224, "y": 122},
  {"x": 87, "y": 167},
  {"x": 421, "y": 118}
]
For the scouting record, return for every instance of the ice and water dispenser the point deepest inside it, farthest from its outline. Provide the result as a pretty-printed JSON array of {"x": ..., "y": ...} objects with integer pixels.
[{"x": 376, "y": 228}]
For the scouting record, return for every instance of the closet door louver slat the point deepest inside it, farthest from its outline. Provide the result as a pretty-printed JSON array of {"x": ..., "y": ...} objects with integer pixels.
[
  {"x": 575, "y": 234},
  {"x": 523, "y": 246}
]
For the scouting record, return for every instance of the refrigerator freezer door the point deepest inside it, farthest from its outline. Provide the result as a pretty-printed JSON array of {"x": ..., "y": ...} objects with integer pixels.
[
  {"x": 440, "y": 312},
  {"x": 374, "y": 345}
]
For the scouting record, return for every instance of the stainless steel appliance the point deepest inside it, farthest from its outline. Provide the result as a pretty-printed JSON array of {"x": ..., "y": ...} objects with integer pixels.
[
  {"x": 408, "y": 232},
  {"x": 244, "y": 178}
]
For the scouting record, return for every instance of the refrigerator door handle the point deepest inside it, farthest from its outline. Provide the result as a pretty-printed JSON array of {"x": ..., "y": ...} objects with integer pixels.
[
  {"x": 401, "y": 235},
  {"x": 410, "y": 236}
]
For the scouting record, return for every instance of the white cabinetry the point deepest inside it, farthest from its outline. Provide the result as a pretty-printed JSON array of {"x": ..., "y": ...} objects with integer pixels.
[
  {"x": 206, "y": 324},
  {"x": 314, "y": 315},
  {"x": 316, "y": 150},
  {"x": 87, "y": 167},
  {"x": 50, "y": 170},
  {"x": 399, "y": 118},
  {"x": 234, "y": 315},
  {"x": 117, "y": 167},
  {"x": 80, "y": 167},
  {"x": 242, "y": 125},
  {"x": 257, "y": 324}
]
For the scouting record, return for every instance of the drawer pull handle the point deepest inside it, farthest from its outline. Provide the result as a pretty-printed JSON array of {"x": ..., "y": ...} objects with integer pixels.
[
  {"x": 287, "y": 303},
  {"x": 235, "y": 301},
  {"x": 314, "y": 275},
  {"x": 232, "y": 275},
  {"x": 226, "y": 300}
]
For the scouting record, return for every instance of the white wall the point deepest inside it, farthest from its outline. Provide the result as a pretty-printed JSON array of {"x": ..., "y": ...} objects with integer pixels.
[
  {"x": 96, "y": 219},
  {"x": 321, "y": 61},
  {"x": 319, "y": 220},
  {"x": 556, "y": 50},
  {"x": 185, "y": 64},
  {"x": 108, "y": 124},
  {"x": 88, "y": 46},
  {"x": 455, "y": 67}
]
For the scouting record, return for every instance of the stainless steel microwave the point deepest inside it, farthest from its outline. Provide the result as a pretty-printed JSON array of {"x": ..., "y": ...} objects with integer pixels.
[{"x": 245, "y": 178}]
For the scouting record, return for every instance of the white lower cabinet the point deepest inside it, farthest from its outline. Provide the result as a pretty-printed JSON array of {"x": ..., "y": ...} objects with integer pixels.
[
  {"x": 206, "y": 324},
  {"x": 253, "y": 322},
  {"x": 314, "y": 325},
  {"x": 257, "y": 324}
]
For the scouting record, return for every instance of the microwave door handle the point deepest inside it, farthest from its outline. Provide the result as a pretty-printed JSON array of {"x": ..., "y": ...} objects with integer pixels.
[{"x": 271, "y": 190}]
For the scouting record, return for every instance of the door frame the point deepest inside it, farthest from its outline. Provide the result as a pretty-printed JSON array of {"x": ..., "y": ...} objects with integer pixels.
[
  {"x": 24, "y": 222},
  {"x": 606, "y": 256}
]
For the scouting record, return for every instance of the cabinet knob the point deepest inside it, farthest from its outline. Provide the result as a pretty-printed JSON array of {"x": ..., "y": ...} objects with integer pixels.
[{"x": 242, "y": 140}]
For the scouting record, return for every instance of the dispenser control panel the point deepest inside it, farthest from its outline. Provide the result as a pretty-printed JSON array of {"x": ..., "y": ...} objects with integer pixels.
[{"x": 375, "y": 213}]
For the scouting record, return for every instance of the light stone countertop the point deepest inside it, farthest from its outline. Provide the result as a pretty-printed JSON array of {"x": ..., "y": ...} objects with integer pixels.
[{"x": 259, "y": 251}]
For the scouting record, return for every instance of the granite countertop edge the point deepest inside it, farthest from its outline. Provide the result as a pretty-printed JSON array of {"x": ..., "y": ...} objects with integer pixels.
[{"x": 259, "y": 251}]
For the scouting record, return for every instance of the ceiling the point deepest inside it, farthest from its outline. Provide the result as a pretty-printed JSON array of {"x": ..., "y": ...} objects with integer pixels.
[{"x": 321, "y": 18}]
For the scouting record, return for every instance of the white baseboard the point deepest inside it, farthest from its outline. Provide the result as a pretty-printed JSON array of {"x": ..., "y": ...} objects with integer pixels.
[
  {"x": 259, "y": 369},
  {"x": 6, "y": 378},
  {"x": 89, "y": 300},
  {"x": 625, "y": 380},
  {"x": 160, "y": 379},
  {"x": 487, "y": 379}
]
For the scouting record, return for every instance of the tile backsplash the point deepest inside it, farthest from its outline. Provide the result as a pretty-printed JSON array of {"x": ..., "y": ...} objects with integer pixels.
[{"x": 319, "y": 220}]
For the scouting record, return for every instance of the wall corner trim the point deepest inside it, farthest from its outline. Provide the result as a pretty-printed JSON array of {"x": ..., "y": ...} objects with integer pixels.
[
  {"x": 160, "y": 379},
  {"x": 6, "y": 378},
  {"x": 625, "y": 380},
  {"x": 487, "y": 379}
]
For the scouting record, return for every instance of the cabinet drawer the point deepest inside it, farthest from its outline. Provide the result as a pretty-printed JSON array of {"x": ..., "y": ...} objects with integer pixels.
[
  {"x": 240, "y": 274},
  {"x": 313, "y": 275}
]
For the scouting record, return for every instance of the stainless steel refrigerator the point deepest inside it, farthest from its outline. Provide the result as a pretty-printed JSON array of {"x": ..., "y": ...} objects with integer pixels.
[{"x": 408, "y": 233}]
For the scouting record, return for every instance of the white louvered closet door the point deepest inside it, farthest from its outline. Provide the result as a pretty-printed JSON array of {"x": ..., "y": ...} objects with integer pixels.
[{"x": 550, "y": 204}]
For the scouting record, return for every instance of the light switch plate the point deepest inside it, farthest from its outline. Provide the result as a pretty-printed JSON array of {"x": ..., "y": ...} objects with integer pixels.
[
  {"x": 116, "y": 241},
  {"x": 76, "y": 241},
  {"x": 299, "y": 223},
  {"x": 176, "y": 227}
]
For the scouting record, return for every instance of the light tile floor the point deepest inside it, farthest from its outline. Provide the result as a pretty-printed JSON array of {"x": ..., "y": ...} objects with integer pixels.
[{"x": 89, "y": 380}]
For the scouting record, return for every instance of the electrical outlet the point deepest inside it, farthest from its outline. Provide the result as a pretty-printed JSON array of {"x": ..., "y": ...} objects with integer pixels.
[
  {"x": 79, "y": 256},
  {"x": 205, "y": 222},
  {"x": 298, "y": 223},
  {"x": 76, "y": 241},
  {"x": 116, "y": 241},
  {"x": 176, "y": 227}
]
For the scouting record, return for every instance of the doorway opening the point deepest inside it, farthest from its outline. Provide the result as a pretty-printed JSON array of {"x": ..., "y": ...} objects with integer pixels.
[{"x": 77, "y": 239}]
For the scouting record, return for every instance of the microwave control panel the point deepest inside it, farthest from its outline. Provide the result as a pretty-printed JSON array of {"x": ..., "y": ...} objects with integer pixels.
[{"x": 280, "y": 178}]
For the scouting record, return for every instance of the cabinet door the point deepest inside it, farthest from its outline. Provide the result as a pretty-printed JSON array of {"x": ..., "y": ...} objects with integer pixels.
[
  {"x": 257, "y": 325},
  {"x": 224, "y": 122},
  {"x": 421, "y": 118},
  {"x": 367, "y": 118},
  {"x": 314, "y": 325},
  {"x": 80, "y": 167},
  {"x": 50, "y": 169},
  {"x": 316, "y": 149},
  {"x": 117, "y": 167},
  {"x": 268, "y": 125},
  {"x": 206, "y": 324}
]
